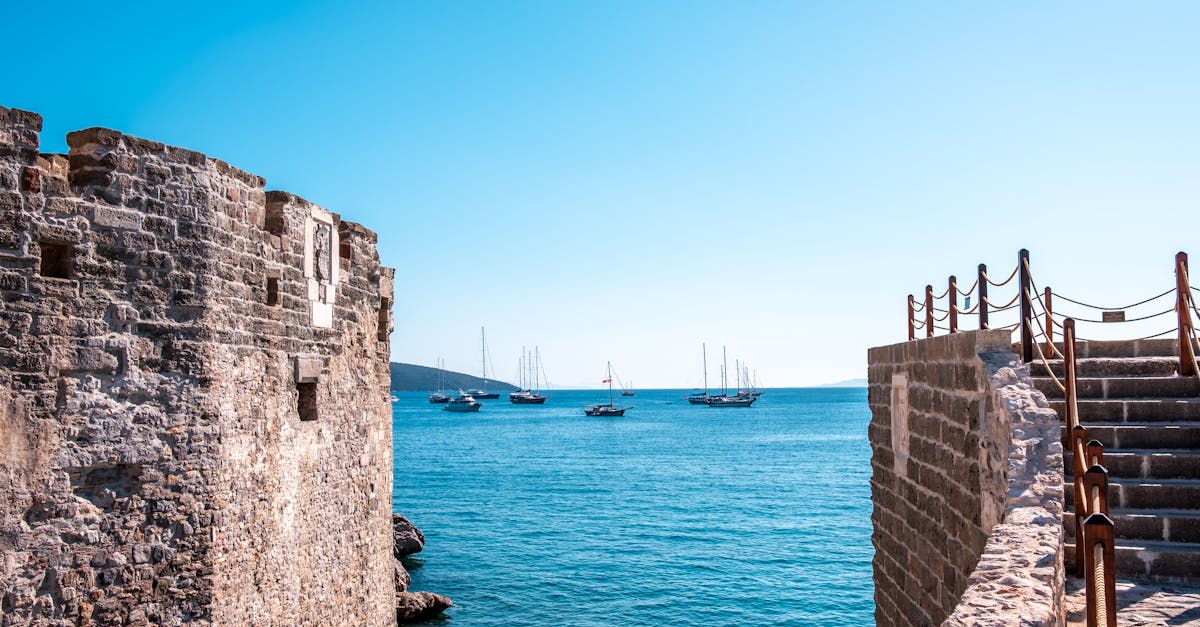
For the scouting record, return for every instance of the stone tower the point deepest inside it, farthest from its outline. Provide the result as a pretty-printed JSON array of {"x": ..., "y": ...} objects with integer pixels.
[{"x": 194, "y": 416}]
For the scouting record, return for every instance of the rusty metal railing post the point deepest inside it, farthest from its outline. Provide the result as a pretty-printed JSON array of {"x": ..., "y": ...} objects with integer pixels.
[
  {"x": 912, "y": 331},
  {"x": 1049, "y": 325},
  {"x": 952, "y": 292},
  {"x": 1026, "y": 307},
  {"x": 983, "y": 306},
  {"x": 1100, "y": 577},
  {"x": 928, "y": 311},
  {"x": 1187, "y": 353}
]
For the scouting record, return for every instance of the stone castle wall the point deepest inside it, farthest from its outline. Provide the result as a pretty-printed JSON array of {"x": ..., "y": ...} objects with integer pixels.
[
  {"x": 194, "y": 423},
  {"x": 966, "y": 464},
  {"x": 937, "y": 471}
]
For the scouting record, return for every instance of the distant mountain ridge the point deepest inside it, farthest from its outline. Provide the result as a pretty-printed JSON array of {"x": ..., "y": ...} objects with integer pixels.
[
  {"x": 848, "y": 383},
  {"x": 414, "y": 378}
]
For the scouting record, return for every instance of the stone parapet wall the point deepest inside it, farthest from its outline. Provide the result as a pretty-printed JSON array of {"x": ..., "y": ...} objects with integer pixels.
[
  {"x": 938, "y": 462},
  {"x": 966, "y": 485},
  {"x": 194, "y": 425},
  {"x": 1019, "y": 578}
]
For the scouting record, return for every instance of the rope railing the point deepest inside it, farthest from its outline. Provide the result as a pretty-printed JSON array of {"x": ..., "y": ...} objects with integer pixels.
[
  {"x": 1042, "y": 324},
  {"x": 1005, "y": 281},
  {"x": 1141, "y": 302}
]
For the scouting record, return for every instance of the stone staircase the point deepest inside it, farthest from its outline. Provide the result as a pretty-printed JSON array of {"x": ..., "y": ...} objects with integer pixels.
[{"x": 1148, "y": 418}]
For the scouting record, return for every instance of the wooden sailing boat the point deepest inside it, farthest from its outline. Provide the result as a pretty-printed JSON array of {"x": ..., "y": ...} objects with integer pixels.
[
  {"x": 483, "y": 393},
  {"x": 702, "y": 399},
  {"x": 530, "y": 368},
  {"x": 610, "y": 409},
  {"x": 440, "y": 395},
  {"x": 725, "y": 400}
]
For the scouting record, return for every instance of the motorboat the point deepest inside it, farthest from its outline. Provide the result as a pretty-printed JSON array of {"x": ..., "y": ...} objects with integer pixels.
[{"x": 463, "y": 403}]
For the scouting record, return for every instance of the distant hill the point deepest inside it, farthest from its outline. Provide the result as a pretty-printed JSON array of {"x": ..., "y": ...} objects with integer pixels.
[
  {"x": 848, "y": 383},
  {"x": 414, "y": 378}
]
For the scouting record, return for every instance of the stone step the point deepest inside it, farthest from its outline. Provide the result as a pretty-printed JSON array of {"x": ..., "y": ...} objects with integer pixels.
[
  {"x": 1169, "y": 494},
  {"x": 1148, "y": 524},
  {"x": 1134, "y": 410},
  {"x": 1147, "y": 463},
  {"x": 1124, "y": 387},
  {"x": 1111, "y": 367},
  {"x": 1158, "y": 347},
  {"x": 1177, "y": 562},
  {"x": 1122, "y": 436}
]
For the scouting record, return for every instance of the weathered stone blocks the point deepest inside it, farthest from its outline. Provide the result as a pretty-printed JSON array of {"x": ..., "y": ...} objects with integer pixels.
[{"x": 159, "y": 470}]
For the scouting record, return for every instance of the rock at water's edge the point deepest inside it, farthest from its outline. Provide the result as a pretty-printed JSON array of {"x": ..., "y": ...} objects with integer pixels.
[
  {"x": 401, "y": 577},
  {"x": 408, "y": 539},
  {"x": 413, "y": 607}
]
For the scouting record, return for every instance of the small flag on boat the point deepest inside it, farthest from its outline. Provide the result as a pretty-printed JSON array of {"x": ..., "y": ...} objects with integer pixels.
[{"x": 607, "y": 381}]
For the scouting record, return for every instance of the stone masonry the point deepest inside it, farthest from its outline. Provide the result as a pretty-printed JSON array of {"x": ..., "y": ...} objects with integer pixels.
[
  {"x": 194, "y": 422},
  {"x": 941, "y": 440}
]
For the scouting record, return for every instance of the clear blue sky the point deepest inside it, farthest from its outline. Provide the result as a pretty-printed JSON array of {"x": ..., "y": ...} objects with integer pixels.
[{"x": 623, "y": 180}]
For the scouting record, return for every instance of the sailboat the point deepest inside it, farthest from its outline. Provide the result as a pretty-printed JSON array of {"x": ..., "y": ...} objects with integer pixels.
[
  {"x": 610, "y": 409},
  {"x": 530, "y": 367},
  {"x": 483, "y": 393},
  {"x": 702, "y": 398},
  {"x": 629, "y": 390},
  {"x": 725, "y": 400},
  {"x": 439, "y": 396}
]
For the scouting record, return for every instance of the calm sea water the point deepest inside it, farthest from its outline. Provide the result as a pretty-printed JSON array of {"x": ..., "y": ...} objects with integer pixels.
[{"x": 672, "y": 515}]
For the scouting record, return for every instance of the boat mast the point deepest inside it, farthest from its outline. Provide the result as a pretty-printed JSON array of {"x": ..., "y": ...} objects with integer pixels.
[
  {"x": 724, "y": 367},
  {"x": 704, "y": 352},
  {"x": 610, "y": 396},
  {"x": 483, "y": 356},
  {"x": 537, "y": 365}
]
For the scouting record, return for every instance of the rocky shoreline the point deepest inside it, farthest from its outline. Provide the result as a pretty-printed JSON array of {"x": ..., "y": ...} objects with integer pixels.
[{"x": 412, "y": 607}]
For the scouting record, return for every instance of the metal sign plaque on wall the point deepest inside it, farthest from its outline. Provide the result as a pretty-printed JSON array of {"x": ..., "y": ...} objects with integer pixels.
[{"x": 1113, "y": 316}]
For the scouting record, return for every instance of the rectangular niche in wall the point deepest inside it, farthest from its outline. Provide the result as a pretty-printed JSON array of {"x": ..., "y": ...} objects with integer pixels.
[
  {"x": 272, "y": 291},
  {"x": 385, "y": 308},
  {"x": 55, "y": 260},
  {"x": 306, "y": 402}
]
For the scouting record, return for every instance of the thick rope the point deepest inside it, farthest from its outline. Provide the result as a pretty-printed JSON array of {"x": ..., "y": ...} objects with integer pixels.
[
  {"x": 1098, "y": 583},
  {"x": 1005, "y": 281},
  {"x": 1139, "y": 319},
  {"x": 1061, "y": 388},
  {"x": 1151, "y": 337},
  {"x": 943, "y": 295},
  {"x": 970, "y": 290},
  {"x": 1006, "y": 306},
  {"x": 970, "y": 311},
  {"x": 918, "y": 306},
  {"x": 1082, "y": 304}
]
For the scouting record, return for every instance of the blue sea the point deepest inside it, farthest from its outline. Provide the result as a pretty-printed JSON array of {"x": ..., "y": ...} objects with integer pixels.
[{"x": 672, "y": 515}]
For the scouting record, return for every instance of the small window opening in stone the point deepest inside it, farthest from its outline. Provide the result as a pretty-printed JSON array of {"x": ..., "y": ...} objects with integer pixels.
[
  {"x": 306, "y": 403},
  {"x": 273, "y": 218},
  {"x": 385, "y": 308},
  {"x": 56, "y": 260},
  {"x": 272, "y": 291}
]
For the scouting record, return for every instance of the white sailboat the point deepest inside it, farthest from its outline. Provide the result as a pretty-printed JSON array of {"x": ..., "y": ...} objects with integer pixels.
[
  {"x": 483, "y": 393},
  {"x": 529, "y": 394},
  {"x": 609, "y": 409},
  {"x": 725, "y": 400},
  {"x": 440, "y": 395},
  {"x": 702, "y": 399}
]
